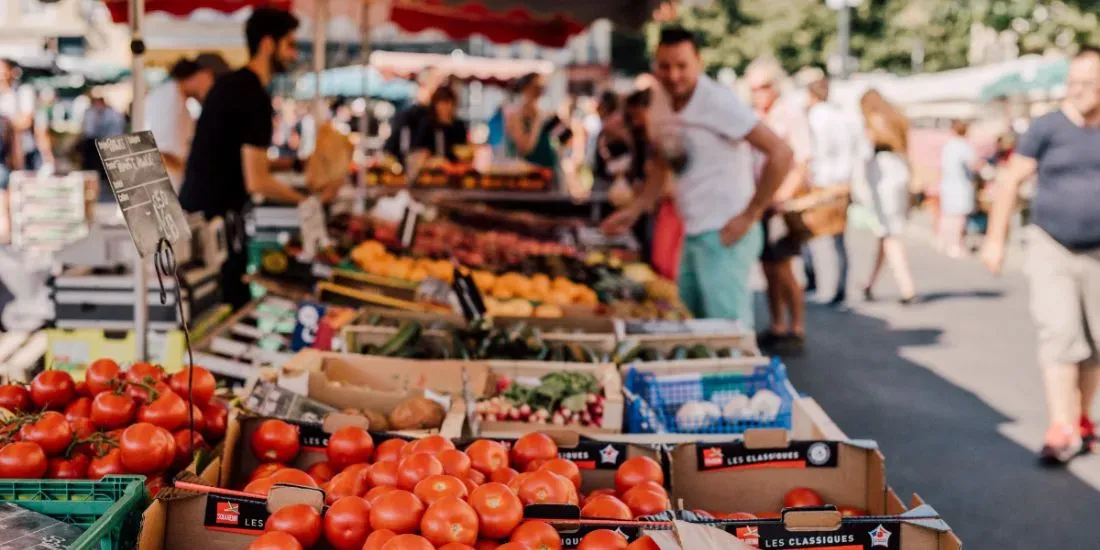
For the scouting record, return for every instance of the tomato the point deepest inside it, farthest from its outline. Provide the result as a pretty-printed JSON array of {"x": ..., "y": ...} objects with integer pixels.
[
  {"x": 851, "y": 511},
  {"x": 344, "y": 484},
  {"x": 646, "y": 501},
  {"x": 415, "y": 468},
  {"x": 508, "y": 546},
  {"x": 142, "y": 395},
  {"x": 52, "y": 389},
  {"x": 111, "y": 410},
  {"x": 22, "y": 459},
  {"x": 144, "y": 373},
  {"x": 102, "y": 375},
  {"x": 168, "y": 410},
  {"x": 802, "y": 496},
  {"x": 456, "y": 546},
  {"x": 275, "y": 441},
  {"x": 347, "y": 523},
  {"x": 52, "y": 432},
  {"x": 275, "y": 540},
  {"x": 264, "y": 470},
  {"x": 202, "y": 385},
  {"x": 81, "y": 407},
  {"x": 503, "y": 475},
  {"x": 187, "y": 443},
  {"x": 378, "y": 538},
  {"x": 301, "y": 521},
  {"x": 376, "y": 492},
  {"x": 68, "y": 468},
  {"x": 397, "y": 510},
  {"x": 545, "y": 487},
  {"x": 473, "y": 475},
  {"x": 383, "y": 474},
  {"x": 408, "y": 542},
  {"x": 603, "y": 492},
  {"x": 449, "y": 519},
  {"x": 643, "y": 543},
  {"x": 433, "y": 444},
  {"x": 217, "y": 417},
  {"x": 636, "y": 470},
  {"x": 108, "y": 464},
  {"x": 603, "y": 539},
  {"x": 517, "y": 482},
  {"x": 606, "y": 507},
  {"x": 455, "y": 462},
  {"x": 389, "y": 450},
  {"x": 147, "y": 449},
  {"x": 434, "y": 488},
  {"x": 533, "y": 446},
  {"x": 287, "y": 476},
  {"x": 534, "y": 465},
  {"x": 537, "y": 535},
  {"x": 484, "y": 544},
  {"x": 321, "y": 472},
  {"x": 15, "y": 398},
  {"x": 82, "y": 430},
  {"x": 487, "y": 456},
  {"x": 769, "y": 515},
  {"x": 498, "y": 508},
  {"x": 565, "y": 468},
  {"x": 349, "y": 445}
]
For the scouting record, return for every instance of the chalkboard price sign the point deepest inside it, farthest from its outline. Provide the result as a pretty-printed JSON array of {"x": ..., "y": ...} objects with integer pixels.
[{"x": 143, "y": 190}]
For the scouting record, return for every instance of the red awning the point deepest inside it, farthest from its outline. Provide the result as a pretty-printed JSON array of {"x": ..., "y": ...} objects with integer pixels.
[
  {"x": 466, "y": 68},
  {"x": 461, "y": 22},
  {"x": 120, "y": 9}
]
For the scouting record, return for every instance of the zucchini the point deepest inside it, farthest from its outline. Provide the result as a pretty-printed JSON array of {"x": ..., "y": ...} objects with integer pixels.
[
  {"x": 587, "y": 355},
  {"x": 650, "y": 355},
  {"x": 626, "y": 352},
  {"x": 678, "y": 353},
  {"x": 407, "y": 334},
  {"x": 700, "y": 351}
]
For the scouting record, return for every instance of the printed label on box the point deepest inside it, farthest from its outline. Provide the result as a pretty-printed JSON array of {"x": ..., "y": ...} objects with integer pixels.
[
  {"x": 235, "y": 514},
  {"x": 862, "y": 535},
  {"x": 588, "y": 455},
  {"x": 734, "y": 456}
]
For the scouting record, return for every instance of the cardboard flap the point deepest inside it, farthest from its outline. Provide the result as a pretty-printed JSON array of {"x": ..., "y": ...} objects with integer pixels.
[
  {"x": 701, "y": 537},
  {"x": 280, "y": 496},
  {"x": 917, "y": 501},
  {"x": 812, "y": 520},
  {"x": 334, "y": 421},
  {"x": 767, "y": 438},
  {"x": 564, "y": 438},
  {"x": 666, "y": 540}
]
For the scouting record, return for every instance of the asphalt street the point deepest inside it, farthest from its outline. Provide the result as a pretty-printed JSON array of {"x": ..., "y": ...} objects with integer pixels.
[{"x": 950, "y": 389}]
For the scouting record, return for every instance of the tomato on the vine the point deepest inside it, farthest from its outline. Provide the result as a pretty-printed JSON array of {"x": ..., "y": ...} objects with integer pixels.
[
  {"x": 498, "y": 508},
  {"x": 347, "y": 523},
  {"x": 141, "y": 393},
  {"x": 68, "y": 468},
  {"x": 147, "y": 449},
  {"x": 449, "y": 519},
  {"x": 202, "y": 385},
  {"x": 52, "y": 389},
  {"x": 187, "y": 442},
  {"x": 216, "y": 417},
  {"x": 81, "y": 407},
  {"x": 22, "y": 459},
  {"x": 168, "y": 410},
  {"x": 275, "y": 540},
  {"x": 82, "y": 390},
  {"x": 51, "y": 431},
  {"x": 397, "y": 510},
  {"x": 301, "y": 521},
  {"x": 102, "y": 375},
  {"x": 108, "y": 464},
  {"x": 112, "y": 410},
  {"x": 275, "y": 441},
  {"x": 15, "y": 398},
  {"x": 144, "y": 373},
  {"x": 349, "y": 445}
]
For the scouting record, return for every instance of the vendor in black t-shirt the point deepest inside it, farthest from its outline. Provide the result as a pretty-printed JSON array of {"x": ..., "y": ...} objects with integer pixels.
[
  {"x": 439, "y": 132},
  {"x": 229, "y": 161}
]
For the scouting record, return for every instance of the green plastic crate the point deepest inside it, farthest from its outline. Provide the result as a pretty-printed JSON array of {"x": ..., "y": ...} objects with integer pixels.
[{"x": 109, "y": 510}]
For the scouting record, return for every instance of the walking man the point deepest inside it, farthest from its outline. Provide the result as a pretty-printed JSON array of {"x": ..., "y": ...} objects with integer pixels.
[
  {"x": 1063, "y": 262},
  {"x": 717, "y": 196}
]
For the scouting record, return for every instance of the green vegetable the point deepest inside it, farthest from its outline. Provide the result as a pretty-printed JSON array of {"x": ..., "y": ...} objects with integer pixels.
[
  {"x": 679, "y": 353},
  {"x": 407, "y": 334}
]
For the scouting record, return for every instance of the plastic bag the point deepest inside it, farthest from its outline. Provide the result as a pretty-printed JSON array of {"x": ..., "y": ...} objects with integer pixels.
[{"x": 668, "y": 240}]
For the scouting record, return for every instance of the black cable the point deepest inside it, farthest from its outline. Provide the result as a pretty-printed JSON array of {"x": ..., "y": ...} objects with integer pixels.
[{"x": 164, "y": 260}]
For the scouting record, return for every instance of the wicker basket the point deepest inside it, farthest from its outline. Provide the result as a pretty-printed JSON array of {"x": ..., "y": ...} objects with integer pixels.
[{"x": 818, "y": 213}]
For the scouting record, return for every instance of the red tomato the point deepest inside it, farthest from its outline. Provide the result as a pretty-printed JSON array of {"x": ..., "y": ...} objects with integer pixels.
[
  {"x": 643, "y": 543},
  {"x": 287, "y": 476},
  {"x": 565, "y": 468},
  {"x": 15, "y": 398},
  {"x": 108, "y": 464},
  {"x": 275, "y": 441},
  {"x": 52, "y": 432},
  {"x": 646, "y": 500},
  {"x": 769, "y": 515},
  {"x": 408, "y": 542},
  {"x": 537, "y": 535},
  {"x": 503, "y": 475},
  {"x": 545, "y": 487},
  {"x": 433, "y": 444},
  {"x": 321, "y": 472},
  {"x": 154, "y": 484},
  {"x": 217, "y": 417},
  {"x": 347, "y": 523},
  {"x": 202, "y": 385},
  {"x": 415, "y": 468},
  {"x": 636, "y": 470},
  {"x": 506, "y": 546},
  {"x": 301, "y": 521},
  {"x": 389, "y": 450},
  {"x": 82, "y": 390},
  {"x": 142, "y": 395},
  {"x": 22, "y": 459},
  {"x": 360, "y": 470},
  {"x": 487, "y": 456},
  {"x": 378, "y": 538},
  {"x": 456, "y": 546},
  {"x": 102, "y": 375},
  {"x": 81, "y": 407},
  {"x": 383, "y": 474},
  {"x": 533, "y": 446},
  {"x": 399, "y": 511},
  {"x": 344, "y": 484},
  {"x": 52, "y": 389},
  {"x": 606, "y": 507},
  {"x": 71, "y": 468},
  {"x": 455, "y": 462},
  {"x": 435, "y": 488},
  {"x": 449, "y": 519},
  {"x": 376, "y": 492},
  {"x": 802, "y": 496},
  {"x": 144, "y": 373},
  {"x": 168, "y": 410},
  {"x": 473, "y": 475},
  {"x": 264, "y": 470},
  {"x": 851, "y": 511},
  {"x": 603, "y": 539},
  {"x": 349, "y": 445},
  {"x": 534, "y": 465},
  {"x": 112, "y": 411},
  {"x": 498, "y": 508},
  {"x": 147, "y": 449},
  {"x": 275, "y": 540},
  {"x": 187, "y": 443},
  {"x": 82, "y": 430}
]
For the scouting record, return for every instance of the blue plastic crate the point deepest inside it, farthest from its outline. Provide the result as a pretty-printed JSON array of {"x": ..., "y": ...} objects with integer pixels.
[{"x": 654, "y": 399}]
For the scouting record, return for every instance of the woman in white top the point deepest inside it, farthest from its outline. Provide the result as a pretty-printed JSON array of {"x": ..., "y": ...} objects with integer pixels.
[
  {"x": 887, "y": 175},
  {"x": 957, "y": 190}
]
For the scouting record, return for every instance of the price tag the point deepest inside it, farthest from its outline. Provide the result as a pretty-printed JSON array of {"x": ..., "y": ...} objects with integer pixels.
[
  {"x": 410, "y": 220},
  {"x": 143, "y": 190},
  {"x": 314, "y": 229},
  {"x": 469, "y": 296}
]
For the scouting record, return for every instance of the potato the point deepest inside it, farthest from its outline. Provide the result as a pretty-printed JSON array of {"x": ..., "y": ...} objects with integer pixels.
[{"x": 417, "y": 413}]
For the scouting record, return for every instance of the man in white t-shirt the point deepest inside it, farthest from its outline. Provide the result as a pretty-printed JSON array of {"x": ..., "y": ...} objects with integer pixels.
[
  {"x": 719, "y": 200},
  {"x": 166, "y": 112}
]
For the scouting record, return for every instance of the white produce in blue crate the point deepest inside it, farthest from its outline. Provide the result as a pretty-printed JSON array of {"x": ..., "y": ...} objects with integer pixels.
[
  {"x": 737, "y": 408},
  {"x": 697, "y": 415},
  {"x": 765, "y": 405}
]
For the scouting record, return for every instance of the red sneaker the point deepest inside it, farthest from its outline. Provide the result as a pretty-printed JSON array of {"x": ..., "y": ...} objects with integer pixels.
[
  {"x": 1088, "y": 432},
  {"x": 1061, "y": 444}
]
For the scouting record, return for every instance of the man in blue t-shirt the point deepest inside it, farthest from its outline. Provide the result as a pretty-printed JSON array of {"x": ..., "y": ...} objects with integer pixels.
[{"x": 1063, "y": 262}]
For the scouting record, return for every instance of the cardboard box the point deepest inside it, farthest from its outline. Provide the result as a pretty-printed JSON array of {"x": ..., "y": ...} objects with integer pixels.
[{"x": 607, "y": 374}]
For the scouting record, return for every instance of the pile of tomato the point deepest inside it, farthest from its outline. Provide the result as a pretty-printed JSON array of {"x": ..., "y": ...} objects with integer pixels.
[
  {"x": 135, "y": 421},
  {"x": 426, "y": 494}
]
